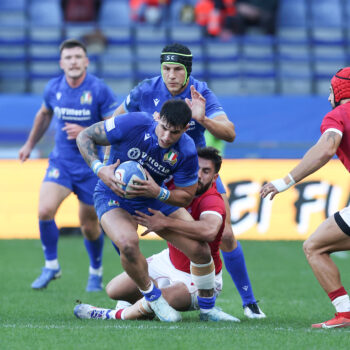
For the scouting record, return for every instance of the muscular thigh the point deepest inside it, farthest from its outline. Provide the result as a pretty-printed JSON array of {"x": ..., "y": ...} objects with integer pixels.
[
  {"x": 119, "y": 226},
  {"x": 329, "y": 237}
]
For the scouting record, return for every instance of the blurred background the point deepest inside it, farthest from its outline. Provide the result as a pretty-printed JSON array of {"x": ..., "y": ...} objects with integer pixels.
[
  {"x": 269, "y": 62},
  {"x": 242, "y": 48}
]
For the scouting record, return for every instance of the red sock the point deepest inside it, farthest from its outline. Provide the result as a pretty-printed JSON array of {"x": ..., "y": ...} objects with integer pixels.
[
  {"x": 337, "y": 293},
  {"x": 118, "y": 315}
]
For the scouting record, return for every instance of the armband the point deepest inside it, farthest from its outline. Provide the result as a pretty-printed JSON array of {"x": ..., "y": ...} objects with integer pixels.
[
  {"x": 96, "y": 166},
  {"x": 281, "y": 185},
  {"x": 163, "y": 195}
]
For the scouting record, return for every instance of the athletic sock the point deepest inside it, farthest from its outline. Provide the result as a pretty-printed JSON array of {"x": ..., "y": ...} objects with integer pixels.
[
  {"x": 206, "y": 304},
  {"x": 340, "y": 300},
  {"x": 152, "y": 293},
  {"x": 49, "y": 237},
  {"x": 52, "y": 264},
  {"x": 94, "y": 249},
  {"x": 236, "y": 267}
]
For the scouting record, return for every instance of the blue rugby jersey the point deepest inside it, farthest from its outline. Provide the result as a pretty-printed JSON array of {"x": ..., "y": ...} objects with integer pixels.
[
  {"x": 150, "y": 95},
  {"x": 133, "y": 137},
  {"x": 85, "y": 105}
]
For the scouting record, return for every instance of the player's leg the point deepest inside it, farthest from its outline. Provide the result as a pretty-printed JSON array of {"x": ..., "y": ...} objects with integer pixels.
[
  {"x": 121, "y": 229},
  {"x": 234, "y": 260},
  {"x": 50, "y": 198},
  {"x": 93, "y": 240},
  {"x": 202, "y": 270},
  {"x": 122, "y": 287},
  {"x": 331, "y": 236}
]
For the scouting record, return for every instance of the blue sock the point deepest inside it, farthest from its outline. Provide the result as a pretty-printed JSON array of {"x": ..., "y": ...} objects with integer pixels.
[
  {"x": 94, "y": 249},
  {"x": 206, "y": 303},
  {"x": 49, "y": 238},
  {"x": 235, "y": 265},
  {"x": 153, "y": 294}
]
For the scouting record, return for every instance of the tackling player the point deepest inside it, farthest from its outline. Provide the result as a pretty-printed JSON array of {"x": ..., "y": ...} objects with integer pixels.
[
  {"x": 176, "y": 82},
  {"x": 78, "y": 100},
  {"x": 171, "y": 268},
  {"x": 333, "y": 234}
]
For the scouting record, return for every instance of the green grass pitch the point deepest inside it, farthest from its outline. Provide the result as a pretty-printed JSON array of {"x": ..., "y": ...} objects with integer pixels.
[{"x": 281, "y": 278}]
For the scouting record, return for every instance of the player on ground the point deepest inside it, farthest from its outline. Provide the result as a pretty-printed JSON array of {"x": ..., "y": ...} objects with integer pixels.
[
  {"x": 78, "y": 100},
  {"x": 171, "y": 268},
  {"x": 176, "y": 82},
  {"x": 164, "y": 149},
  {"x": 333, "y": 234}
]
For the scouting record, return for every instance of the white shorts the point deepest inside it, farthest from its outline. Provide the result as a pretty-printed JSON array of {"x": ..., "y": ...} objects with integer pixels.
[
  {"x": 342, "y": 218},
  {"x": 161, "y": 269}
]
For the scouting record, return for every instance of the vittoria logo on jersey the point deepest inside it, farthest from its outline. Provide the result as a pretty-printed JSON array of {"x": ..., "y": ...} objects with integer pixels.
[
  {"x": 72, "y": 114},
  {"x": 170, "y": 157},
  {"x": 54, "y": 173},
  {"x": 86, "y": 98}
]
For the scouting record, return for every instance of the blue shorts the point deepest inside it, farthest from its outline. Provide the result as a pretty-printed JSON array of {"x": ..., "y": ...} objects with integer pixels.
[
  {"x": 78, "y": 177},
  {"x": 220, "y": 186},
  {"x": 106, "y": 200}
]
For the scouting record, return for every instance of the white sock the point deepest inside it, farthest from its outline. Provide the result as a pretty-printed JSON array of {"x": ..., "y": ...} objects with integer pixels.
[
  {"x": 97, "y": 272},
  {"x": 52, "y": 264},
  {"x": 342, "y": 303}
]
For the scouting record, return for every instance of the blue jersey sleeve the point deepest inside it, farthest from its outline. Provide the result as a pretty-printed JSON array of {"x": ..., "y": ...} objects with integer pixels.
[
  {"x": 186, "y": 173},
  {"x": 107, "y": 101},
  {"x": 47, "y": 95},
  {"x": 124, "y": 126},
  {"x": 133, "y": 101}
]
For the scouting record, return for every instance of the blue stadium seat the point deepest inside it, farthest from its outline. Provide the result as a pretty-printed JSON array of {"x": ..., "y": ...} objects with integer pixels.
[
  {"x": 114, "y": 12},
  {"x": 292, "y": 13},
  {"x": 19, "y": 5},
  {"x": 325, "y": 13},
  {"x": 45, "y": 12}
]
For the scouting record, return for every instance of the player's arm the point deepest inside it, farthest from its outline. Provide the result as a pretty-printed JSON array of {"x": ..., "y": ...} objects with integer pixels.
[
  {"x": 119, "y": 110},
  {"x": 87, "y": 142},
  {"x": 205, "y": 229},
  {"x": 41, "y": 123},
  {"x": 315, "y": 158},
  {"x": 219, "y": 126},
  {"x": 180, "y": 196}
]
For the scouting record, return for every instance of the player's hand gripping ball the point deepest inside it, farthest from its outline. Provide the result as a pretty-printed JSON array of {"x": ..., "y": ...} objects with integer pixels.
[{"x": 129, "y": 172}]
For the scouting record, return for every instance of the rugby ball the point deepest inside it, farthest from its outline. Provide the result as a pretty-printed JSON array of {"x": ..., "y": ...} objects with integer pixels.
[{"x": 129, "y": 172}]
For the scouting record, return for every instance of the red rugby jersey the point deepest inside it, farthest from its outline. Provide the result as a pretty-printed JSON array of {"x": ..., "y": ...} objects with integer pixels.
[
  {"x": 339, "y": 119},
  {"x": 210, "y": 201}
]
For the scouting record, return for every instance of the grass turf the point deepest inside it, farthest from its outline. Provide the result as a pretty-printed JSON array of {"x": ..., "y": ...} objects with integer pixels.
[{"x": 281, "y": 278}]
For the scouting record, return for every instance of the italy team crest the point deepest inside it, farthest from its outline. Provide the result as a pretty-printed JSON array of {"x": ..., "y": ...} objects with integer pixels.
[
  {"x": 170, "y": 157},
  {"x": 86, "y": 98}
]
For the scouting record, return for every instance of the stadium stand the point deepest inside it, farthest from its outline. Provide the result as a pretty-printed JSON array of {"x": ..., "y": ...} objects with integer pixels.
[{"x": 312, "y": 40}]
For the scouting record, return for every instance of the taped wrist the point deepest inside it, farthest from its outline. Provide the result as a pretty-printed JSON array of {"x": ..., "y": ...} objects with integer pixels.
[{"x": 281, "y": 185}]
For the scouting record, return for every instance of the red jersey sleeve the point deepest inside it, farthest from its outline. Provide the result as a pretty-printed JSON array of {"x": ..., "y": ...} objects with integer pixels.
[{"x": 333, "y": 120}]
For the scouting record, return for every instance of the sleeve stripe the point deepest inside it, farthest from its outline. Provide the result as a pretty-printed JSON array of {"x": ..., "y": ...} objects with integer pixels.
[
  {"x": 334, "y": 130},
  {"x": 211, "y": 212}
]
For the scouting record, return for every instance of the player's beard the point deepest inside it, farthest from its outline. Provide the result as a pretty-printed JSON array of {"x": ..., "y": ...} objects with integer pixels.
[{"x": 202, "y": 188}]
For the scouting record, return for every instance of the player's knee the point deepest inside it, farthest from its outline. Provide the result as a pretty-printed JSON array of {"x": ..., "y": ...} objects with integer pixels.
[
  {"x": 129, "y": 251},
  {"x": 91, "y": 229},
  {"x": 309, "y": 248},
  {"x": 46, "y": 213},
  {"x": 201, "y": 253}
]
